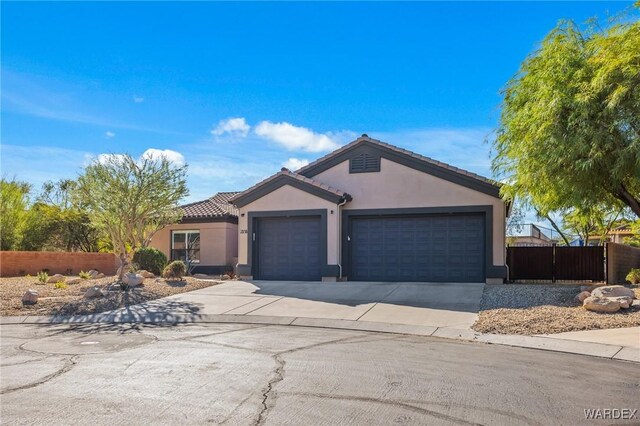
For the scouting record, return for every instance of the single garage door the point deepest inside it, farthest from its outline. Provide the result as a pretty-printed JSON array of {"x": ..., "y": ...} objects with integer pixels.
[
  {"x": 289, "y": 248},
  {"x": 418, "y": 248}
]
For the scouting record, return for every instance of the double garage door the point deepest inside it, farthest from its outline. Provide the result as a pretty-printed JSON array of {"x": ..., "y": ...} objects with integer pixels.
[
  {"x": 430, "y": 248},
  {"x": 448, "y": 248}
]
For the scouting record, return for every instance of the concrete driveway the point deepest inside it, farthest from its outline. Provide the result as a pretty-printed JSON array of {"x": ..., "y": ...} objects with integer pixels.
[{"x": 424, "y": 304}]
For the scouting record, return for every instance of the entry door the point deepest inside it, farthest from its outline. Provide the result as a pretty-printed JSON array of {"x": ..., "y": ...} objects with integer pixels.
[
  {"x": 431, "y": 248},
  {"x": 289, "y": 248}
]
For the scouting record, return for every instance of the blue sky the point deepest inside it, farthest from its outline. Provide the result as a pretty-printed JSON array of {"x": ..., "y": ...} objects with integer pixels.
[{"x": 237, "y": 90}]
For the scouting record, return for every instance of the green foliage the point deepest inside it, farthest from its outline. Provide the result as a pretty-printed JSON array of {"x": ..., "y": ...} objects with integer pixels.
[
  {"x": 14, "y": 200},
  {"x": 594, "y": 221},
  {"x": 634, "y": 240},
  {"x": 131, "y": 200},
  {"x": 569, "y": 133},
  {"x": 43, "y": 277},
  {"x": 84, "y": 275},
  {"x": 633, "y": 276},
  {"x": 61, "y": 285},
  {"x": 175, "y": 269},
  {"x": 150, "y": 259}
]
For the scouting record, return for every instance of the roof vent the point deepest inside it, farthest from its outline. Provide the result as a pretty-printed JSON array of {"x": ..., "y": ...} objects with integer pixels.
[
  {"x": 364, "y": 163},
  {"x": 364, "y": 135}
]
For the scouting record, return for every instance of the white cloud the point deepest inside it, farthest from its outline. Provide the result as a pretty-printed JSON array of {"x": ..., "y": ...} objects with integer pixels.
[
  {"x": 295, "y": 138},
  {"x": 295, "y": 163},
  {"x": 138, "y": 99},
  {"x": 235, "y": 127},
  {"x": 172, "y": 156},
  {"x": 109, "y": 135}
]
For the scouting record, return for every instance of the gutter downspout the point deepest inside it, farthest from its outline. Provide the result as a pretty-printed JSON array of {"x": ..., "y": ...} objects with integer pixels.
[{"x": 339, "y": 217}]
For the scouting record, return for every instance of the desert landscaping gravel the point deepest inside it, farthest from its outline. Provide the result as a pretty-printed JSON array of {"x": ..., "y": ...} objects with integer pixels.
[
  {"x": 70, "y": 300},
  {"x": 544, "y": 309}
]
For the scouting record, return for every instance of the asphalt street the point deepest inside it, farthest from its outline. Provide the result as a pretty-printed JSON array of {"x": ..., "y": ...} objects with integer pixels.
[{"x": 241, "y": 374}]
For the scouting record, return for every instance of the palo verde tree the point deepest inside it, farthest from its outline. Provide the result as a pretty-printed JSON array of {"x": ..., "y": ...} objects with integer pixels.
[
  {"x": 569, "y": 132},
  {"x": 131, "y": 200}
]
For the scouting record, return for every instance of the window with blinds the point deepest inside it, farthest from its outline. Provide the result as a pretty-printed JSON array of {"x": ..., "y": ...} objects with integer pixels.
[{"x": 364, "y": 163}]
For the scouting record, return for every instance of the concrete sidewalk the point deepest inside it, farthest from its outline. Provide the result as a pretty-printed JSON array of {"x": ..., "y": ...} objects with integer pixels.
[{"x": 436, "y": 310}]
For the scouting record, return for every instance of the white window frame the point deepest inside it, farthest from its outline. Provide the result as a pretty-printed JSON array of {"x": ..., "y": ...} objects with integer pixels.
[{"x": 186, "y": 233}]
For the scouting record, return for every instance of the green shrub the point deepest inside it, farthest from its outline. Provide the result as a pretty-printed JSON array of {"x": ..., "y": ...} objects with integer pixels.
[
  {"x": 84, "y": 275},
  {"x": 61, "y": 285},
  {"x": 150, "y": 259},
  {"x": 43, "y": 277},
  {"x": 634, "y": 276},
  {"x": 175, "y": 269}
]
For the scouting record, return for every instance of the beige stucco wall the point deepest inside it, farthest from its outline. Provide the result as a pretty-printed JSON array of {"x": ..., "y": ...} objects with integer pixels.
[
  {"x": 218, "y": 241},
  {"x": 395, "y": 186},
  {"x": 398, "y": 186},
  {"x": 290, "y": 198}
]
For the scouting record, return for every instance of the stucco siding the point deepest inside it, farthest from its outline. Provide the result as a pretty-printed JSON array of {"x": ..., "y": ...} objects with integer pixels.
[
  {"x": 289, "y": 198},
  {"x": 218, "y": 241},
  {"x": 398, "y": 186}
]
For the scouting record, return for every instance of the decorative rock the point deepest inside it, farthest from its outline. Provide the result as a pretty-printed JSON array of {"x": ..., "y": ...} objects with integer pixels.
[
  {"x": 146, "y": 274},
  {"x": 225, "y": 277},
  {"x": 93, "y": 292},
  {"x": 100, "y": 275},
  {"x": 74, "y": 281},
  {"x": 30, "y": 297},
  {"x": 114, "y": 287},
  {"x": 613, "y": 291},
  {"x": 582, "y": 295},
  {"x": 201, "y": 276},
  {"x": 56, "y": 278},
  {"x": 625, "y": 302},
  {"x": 132, "y": 279},
  {"x": 94, "y": 274},
  {"x": 601, "y": 304}
]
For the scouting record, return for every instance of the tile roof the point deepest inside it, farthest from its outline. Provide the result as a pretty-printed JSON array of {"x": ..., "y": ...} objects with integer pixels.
[
  {"x": 216, "y": 206},
  {"x": 289, "y": 173},
  {"x": 398, "y": 150}
]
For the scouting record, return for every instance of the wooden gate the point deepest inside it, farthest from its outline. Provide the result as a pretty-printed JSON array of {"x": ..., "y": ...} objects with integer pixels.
[{"x": 554, "y": 263}]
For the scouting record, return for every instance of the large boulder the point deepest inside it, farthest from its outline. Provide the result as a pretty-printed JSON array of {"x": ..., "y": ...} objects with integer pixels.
[
  {"x": 613, "y": 291},
  {"x": 601, "y": 304},
  {"x": 56, "y": 278},
  {"x": 582, "y": 295},
  {"x": 30, "y": 297},
  {"x": 93, "y": 292},
  {"x": 131, "y": 279},
  {"x": 146, "y": 274}
]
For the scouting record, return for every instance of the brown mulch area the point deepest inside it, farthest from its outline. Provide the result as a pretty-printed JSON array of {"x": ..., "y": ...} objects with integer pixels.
[
  {"x": 70, "y": 301},
  {"x": 544, "y": 309}
]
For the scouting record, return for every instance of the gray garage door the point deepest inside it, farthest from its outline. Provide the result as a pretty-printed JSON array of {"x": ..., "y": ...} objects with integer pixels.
[
  {"x": 289, "y": 248},
  {"x": 418, "y": 248}
]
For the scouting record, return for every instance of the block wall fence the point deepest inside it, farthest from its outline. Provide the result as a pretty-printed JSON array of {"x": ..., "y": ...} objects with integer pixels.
[
  {"x": 620, "y": 260},
  {"x": 18, "y": 263}
]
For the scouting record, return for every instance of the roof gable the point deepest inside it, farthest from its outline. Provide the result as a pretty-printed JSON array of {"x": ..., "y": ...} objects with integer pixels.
[
  {"x": 286, "y": 177},
  {"x": 366, "y": 145}
]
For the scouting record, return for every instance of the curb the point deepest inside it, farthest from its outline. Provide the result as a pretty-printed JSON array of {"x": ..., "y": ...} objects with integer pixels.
[{"x": 600, "y": 350}]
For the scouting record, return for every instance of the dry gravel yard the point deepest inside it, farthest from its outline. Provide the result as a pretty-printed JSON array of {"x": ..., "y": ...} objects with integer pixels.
[
  {"x": 543, "y": 309},
  {"x": 70, "y": 301}
]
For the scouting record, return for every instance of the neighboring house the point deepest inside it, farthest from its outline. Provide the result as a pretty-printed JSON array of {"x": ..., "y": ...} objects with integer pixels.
[
  {"x": 533, "y": 236},
  {"x": 616, "y": 235},
  {"x": 207, "y": 234},
  {"x": 371, "y": 211}
]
